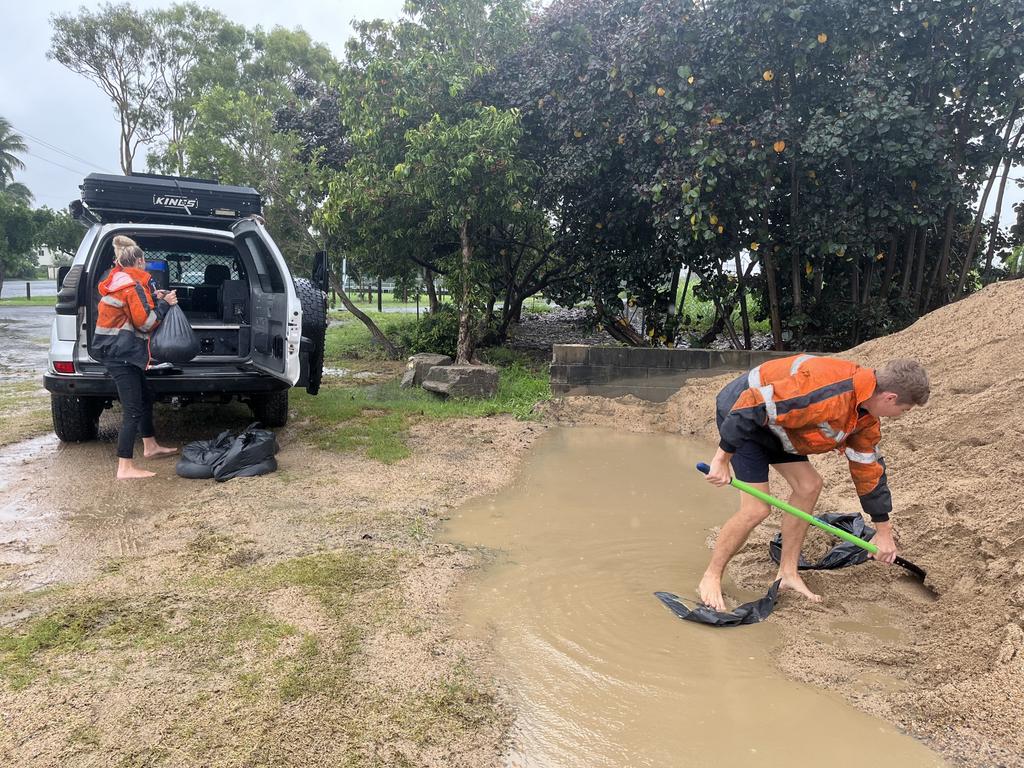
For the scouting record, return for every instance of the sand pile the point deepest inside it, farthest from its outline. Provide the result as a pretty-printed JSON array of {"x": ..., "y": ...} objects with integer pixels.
[{"x": 955, "y": 676}]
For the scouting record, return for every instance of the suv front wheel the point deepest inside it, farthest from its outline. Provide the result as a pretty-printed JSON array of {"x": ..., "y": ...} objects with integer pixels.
[
  {"x": 270, "y": 410},
  {"x": 75, "y": 419}
]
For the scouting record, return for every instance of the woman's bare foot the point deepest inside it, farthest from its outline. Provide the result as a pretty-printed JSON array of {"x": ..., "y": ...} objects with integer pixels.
[
  {"x": 795, "y": 583},
  {"x": 154, "y": 450},
  {"x": 710, "y": 591},
  {"x": 126, "y": 470}
]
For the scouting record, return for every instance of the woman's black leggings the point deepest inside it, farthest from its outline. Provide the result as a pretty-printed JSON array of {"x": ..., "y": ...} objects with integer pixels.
[{"x": 136, "y": 403}]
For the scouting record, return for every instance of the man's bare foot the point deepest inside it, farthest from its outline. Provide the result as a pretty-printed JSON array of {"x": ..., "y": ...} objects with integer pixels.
[
  {"x": 710, "y": 591},
  {"x": 158, "y": 451},
  {"x": 133, "y": 473},
  {"x": 795, "y": 583}
]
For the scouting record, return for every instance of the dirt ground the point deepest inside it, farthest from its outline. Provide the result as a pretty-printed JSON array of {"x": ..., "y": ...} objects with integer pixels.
[
  {"x": 956, "y": 469},
  {"x": 301, "y": 618}
]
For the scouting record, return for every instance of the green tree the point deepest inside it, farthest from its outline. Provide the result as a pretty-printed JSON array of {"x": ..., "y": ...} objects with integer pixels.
[
  {"x": 56, "y": 230},
  {"x": 115, "y": 48},
  {"x": 11, "y": 144},
  {"x": 16, "y": 230}
]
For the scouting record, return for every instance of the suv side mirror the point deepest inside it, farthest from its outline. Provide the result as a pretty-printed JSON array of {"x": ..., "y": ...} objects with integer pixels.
[{"x": 321, "y": 273}]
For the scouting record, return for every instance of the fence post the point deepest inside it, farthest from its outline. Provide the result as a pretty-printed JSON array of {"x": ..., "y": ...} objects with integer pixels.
[
  {"x": 380, "y": 295},
  {"x": 28, "y": 291}
]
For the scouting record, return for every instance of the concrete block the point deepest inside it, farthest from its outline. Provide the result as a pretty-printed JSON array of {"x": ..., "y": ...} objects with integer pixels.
[
  {"x": 570, "y": 354},
  {"x": 588, "y": 374},
  {"x": 759, "y": 356},
  {"x": 732, "y": 359},
  {"x": 687, "y": 359},
  {"x": 616, "y": 356},
  {"x": 559, "y": 374},
  {"x": 648, "y": 357}
]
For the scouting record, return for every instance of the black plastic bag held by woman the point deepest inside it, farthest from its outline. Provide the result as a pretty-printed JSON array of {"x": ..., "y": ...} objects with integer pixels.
[{"x": 173, "y": 340}]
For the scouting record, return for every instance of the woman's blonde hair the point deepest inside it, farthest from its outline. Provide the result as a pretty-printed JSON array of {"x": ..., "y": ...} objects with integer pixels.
[{"x": 126, "y": 251}]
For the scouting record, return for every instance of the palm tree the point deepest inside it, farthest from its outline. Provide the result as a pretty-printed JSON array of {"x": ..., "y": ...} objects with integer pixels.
[
  {"x": 16, "y": 190},
  {"x": 10, "y": 142}
]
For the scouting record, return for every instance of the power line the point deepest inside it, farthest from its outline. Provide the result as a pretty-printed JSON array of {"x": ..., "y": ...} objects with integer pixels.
[
  {"x": 59, "y": 165},
  {"x": 55, "y": 148}
]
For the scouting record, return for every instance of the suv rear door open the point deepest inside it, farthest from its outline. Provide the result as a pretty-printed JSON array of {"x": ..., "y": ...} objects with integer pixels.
[{"x": 276, "y": 311}]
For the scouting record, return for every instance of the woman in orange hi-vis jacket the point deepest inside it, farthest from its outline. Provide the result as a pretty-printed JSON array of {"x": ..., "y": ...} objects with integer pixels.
[
  {"x": 782, "y": 411},
  {"x": 127, "y": 315}
]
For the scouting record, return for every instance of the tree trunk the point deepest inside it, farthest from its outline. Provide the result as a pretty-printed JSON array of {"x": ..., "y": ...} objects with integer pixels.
[
  {"x": 428, "y": 279},
  {"x": 942, "y": 265},
  {"x": 617, "y": 327},
  {"x": 464, "y": 349},
  {"x": 908, "y": 264},
  {"x": 795, "y": 262},
  {"x": 742, "y": 288},
  {"x": 994, "y": 234},
  {"x": 890, "y": 267},
  {"x": 773, "y": 297},
  {"x": 922, "y": 255},
  {"x": 390, "y": 350},
  {"x": 979, "y": 218}
]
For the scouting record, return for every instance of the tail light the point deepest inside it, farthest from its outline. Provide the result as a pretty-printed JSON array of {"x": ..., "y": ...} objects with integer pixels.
[{"x": 64, "y": 367}]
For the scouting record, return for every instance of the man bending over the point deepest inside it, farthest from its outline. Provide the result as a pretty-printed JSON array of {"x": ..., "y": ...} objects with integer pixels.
[{"x": 781, "y": 412}]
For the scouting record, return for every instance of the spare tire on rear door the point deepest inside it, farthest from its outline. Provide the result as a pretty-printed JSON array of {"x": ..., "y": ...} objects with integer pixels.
[{"x": 314, "y": 328}]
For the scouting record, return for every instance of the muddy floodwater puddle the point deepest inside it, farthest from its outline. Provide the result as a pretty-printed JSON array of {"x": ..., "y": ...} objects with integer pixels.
[{"x": 601, "y": 674}]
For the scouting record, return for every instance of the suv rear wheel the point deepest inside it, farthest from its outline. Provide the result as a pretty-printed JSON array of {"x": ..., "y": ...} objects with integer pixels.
[
  {"x": 270, "y": 410},
  {"x": 75, "y": 419},
  {"x": 314, "y": 328}
]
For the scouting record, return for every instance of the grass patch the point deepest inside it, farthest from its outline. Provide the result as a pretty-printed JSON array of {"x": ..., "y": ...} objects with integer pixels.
[
  {"x": 24, "y": 411},
  {"x": 376, "y": 419},
  {"x": 35, "y": 301},
  {"x": 349, "y": 339},
  {"x": 76, "y": 627}
]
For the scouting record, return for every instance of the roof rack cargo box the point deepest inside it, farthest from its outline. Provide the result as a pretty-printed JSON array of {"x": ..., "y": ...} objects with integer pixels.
[{"x": 150, "y": 197}]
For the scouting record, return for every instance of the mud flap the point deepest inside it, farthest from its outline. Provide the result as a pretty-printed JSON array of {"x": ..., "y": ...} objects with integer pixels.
[{"x": 748, "y": 613}]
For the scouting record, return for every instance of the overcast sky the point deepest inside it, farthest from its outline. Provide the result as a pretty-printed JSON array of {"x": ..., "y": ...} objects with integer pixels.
[{"x": 70, "y": 125}]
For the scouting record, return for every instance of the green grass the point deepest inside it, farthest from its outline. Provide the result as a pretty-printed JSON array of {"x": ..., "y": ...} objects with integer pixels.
[
  {"x": 376, "y": 419},
  {"x": 351, "y": 340},
  {"x": 35, "y": 301},
  {"x": 80, "y": 626}
]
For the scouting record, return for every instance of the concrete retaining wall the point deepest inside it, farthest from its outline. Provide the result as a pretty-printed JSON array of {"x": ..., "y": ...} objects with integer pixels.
[{"x": 651, "y": 374}]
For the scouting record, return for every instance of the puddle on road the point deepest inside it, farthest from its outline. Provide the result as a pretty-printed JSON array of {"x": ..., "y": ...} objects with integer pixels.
[{"x": 603, "y": 675}]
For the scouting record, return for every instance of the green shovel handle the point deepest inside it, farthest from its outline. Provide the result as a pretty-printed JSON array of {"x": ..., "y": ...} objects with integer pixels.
[
  {"x": 757, "y": 493},
  {"x": 917, "y": 570}
]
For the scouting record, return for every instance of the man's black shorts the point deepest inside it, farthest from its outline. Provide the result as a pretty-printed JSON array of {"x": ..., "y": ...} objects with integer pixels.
[{"x": 751, "y": 461}]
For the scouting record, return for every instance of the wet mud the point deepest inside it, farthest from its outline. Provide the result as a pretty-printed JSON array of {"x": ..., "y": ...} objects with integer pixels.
[{"x": 605, "y": 676}]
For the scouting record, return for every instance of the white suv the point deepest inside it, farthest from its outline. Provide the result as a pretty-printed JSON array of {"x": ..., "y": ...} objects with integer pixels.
[{"x": 260, "y": 330}]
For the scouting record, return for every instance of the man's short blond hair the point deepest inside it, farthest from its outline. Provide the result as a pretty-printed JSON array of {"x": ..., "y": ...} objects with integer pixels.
[{"x": 906, "y": 378}]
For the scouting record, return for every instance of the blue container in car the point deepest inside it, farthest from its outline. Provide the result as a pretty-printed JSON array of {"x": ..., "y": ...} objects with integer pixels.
[{"x": 160, "y": 279}]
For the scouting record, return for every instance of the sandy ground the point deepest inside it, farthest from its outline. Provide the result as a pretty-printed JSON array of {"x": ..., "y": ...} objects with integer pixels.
[
  {"x": 956, "y": 468},
  {"x": 301, "y": 618}
]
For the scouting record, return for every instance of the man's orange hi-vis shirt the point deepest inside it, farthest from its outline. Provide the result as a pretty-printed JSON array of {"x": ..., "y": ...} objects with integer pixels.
[{"x": 811, "y": 405}]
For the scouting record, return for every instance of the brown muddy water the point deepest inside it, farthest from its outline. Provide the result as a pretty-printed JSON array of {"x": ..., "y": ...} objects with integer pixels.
[{"x": 601, "y": 674}]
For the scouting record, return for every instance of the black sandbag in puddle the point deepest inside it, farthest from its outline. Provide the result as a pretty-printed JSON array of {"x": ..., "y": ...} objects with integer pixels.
[
  {"x": 197, "y": 458},
  {"x": 842, "y": 555},
  {"x": 748, "y": 613}
]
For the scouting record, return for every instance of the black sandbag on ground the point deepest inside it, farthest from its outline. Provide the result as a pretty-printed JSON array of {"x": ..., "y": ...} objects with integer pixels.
[
  {"x": 197, "y": 458},
  {"x": 748, "y": 613},
  {"x": 251, "y": 454},
  {"x": 842, "y": 554}
]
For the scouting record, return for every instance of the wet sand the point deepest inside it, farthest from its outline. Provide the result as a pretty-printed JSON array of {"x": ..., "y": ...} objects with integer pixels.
[{"x": 604, "y": 676}]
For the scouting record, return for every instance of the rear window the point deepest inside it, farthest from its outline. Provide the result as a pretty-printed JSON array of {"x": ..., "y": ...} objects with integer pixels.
[{"x": 189, "y": 261}]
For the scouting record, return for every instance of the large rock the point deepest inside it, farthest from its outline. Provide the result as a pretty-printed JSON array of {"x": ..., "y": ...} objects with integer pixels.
[
  {"x": 419, "y": 365},
  {"x": 462, "y": 380}
]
